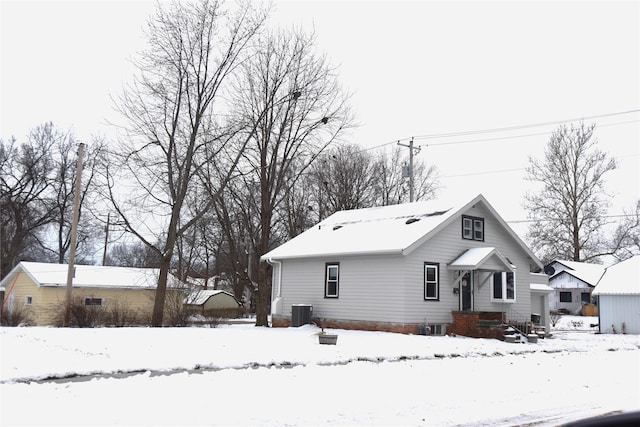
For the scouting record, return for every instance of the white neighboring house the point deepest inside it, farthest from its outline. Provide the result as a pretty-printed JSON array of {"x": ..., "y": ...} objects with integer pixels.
[
  {"x": 618, "y": 293},
  {"x": 572, "y": 283},
  {"x": 455, "y": 268}
]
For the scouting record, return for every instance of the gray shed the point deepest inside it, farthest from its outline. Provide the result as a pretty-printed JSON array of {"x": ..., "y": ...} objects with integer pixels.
[{"x": 618, "y": 293}]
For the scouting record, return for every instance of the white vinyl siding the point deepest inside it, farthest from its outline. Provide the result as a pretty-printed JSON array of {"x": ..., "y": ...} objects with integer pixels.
[
  {"x": 616, "y": 310},
  {"x": 367, "y": 292},
  {"x": 391, "y": 288}
]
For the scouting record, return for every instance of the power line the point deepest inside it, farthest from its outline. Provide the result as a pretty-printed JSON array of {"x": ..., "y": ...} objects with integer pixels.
[
  {"x": 508, "y": 128},
  {"x": 516, "y": 169},
  {"x": 523, "y": 221},
  {"x": 517, "y": 136},
  {"x": 503, "y": 129}
]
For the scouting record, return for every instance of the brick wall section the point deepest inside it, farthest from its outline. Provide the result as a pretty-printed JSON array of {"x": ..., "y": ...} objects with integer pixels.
[
  {"x": 477, "y": 324},
  {"x": 402, "y": 328}
]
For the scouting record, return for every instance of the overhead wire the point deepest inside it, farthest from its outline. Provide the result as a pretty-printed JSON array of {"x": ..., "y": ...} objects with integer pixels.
[{"x": 504, "y": 129}]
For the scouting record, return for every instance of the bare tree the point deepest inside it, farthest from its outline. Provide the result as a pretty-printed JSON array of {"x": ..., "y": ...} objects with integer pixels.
[
  {"x": 305, "y": 112},
  {"x": 25, "y": 203},
  {"x": 569, "y": 211},
  {"x": 64, "y": 157},
  {"x": 133, "y": 254},
  {"x": 176, "y": 137},
  {"x": 343, "y": 178},
  {"x": 37, "y": 188},
  {"x": 625, "y": 242},
  {"x": 392, "y": 187}
]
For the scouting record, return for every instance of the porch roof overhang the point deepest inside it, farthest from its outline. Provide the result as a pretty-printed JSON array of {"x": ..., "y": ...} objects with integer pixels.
[
  {"x": 475, "y": 258},
  {"x": 541, "y": 288}
]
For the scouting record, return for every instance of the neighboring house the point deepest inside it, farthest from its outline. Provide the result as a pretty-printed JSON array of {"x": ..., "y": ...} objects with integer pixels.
[
  {"x": 400, "y": 267},
  {"x": 39, "y": 289},
  {"x": 618, "y": 294},
  {"x": 572, "y": 283},
  {"x": 214, "y": 302}
]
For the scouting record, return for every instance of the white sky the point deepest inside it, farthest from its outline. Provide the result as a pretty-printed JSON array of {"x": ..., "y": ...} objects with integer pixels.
[{"x": 414, "y": 68}]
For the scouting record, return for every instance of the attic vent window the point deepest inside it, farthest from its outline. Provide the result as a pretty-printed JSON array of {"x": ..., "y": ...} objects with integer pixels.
[
  {"x": 337, "y": 227},
  {"x": 412, "y": 220}
]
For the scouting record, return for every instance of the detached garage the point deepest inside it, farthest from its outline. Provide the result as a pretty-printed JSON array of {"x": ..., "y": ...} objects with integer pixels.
[
  {"x": 618, "y": 293},
  {"x": 215, "y": 303}
]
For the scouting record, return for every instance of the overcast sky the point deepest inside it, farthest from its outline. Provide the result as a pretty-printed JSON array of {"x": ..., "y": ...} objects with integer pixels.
[{"x": 415, "y": 69}]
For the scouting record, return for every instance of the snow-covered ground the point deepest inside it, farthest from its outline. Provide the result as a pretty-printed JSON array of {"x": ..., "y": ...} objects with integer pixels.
[{"x": 243, "y": 375}]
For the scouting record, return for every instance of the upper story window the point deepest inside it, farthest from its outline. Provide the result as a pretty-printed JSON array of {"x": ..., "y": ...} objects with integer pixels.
[
  {"x": 28, "y": 300},
  {"x": 504, "y": 286},
  {"x": 331, "y": 280},
  {"x": 473, "y": 228},
  {"x": 431, "y": 281}
]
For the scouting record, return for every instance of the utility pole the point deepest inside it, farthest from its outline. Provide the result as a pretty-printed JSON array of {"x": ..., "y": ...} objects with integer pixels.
[
  {"x": 74, "y": 237},
  {"x": 411, "y": 148},
  {"x": 106, "y": 239}
]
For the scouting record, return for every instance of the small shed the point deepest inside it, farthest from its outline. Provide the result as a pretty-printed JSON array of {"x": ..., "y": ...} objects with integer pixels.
[
  {"x": 618, "y": 293},
  {"x": 214, "y": 302}
]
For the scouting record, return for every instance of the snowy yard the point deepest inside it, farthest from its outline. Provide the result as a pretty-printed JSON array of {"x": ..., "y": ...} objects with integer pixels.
[{"x": 243, "y": 375}]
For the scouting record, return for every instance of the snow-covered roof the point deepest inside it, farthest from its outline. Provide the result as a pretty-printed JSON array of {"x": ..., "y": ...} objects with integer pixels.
[
  {"x": 394, "y": 229},
  {"x": 200, "y": 297},
  {"x": 587, "y": 272},
  {"x": 539, "y": 287},
  {"x": 46, "y": 274},
  {"x": 473, "y": 258},
  {"x": 621, "y": 279}
]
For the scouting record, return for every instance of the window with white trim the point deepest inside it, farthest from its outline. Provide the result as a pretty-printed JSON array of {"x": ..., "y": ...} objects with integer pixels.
[
  {"x": 431, "y": 281},
  {"x": 28, "y": 300},
  {"x": 93, "y": 301},
  {"x": 473, "y": 228},
  {"x": 331, "y": 280},
  {"x": 503, "y": 286}
]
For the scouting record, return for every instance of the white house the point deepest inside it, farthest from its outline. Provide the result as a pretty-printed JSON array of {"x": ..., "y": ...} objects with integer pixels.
[
  {"x": 618, "y": 293},
  {"x": 460, "y": 269},
  {"x": 572, "y": 283}
]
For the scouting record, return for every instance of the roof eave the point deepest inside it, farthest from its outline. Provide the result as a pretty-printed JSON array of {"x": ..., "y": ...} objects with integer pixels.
[{"x": 334, "y": 254}]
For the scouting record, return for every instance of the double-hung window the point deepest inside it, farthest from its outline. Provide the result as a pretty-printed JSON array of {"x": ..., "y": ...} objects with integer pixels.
[
  {"x": 331, "y": 280},
  {"x": 431, "y": 281},
  {"x": 473, "y": 228},
  {"x": 504, "y": 286},
  {"x": 565, "y": 296}
]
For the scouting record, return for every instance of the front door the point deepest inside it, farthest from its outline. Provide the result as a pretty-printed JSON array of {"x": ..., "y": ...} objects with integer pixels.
[{"x": 466, "y": 292}]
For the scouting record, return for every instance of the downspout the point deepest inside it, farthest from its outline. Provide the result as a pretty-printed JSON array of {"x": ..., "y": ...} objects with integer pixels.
[{"x": 276, "y": 304}]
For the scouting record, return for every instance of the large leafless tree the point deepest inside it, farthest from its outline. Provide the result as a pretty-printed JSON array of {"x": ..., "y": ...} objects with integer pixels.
[
  {"x": 391, "y": 184},
  {"x": 625, "y": 241},
  {"x": 36, "y": 194},
  {"x": 569, "y": 210},
  {"x": 291, "y": 95},
  {"x": 179, "y": 140}
]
